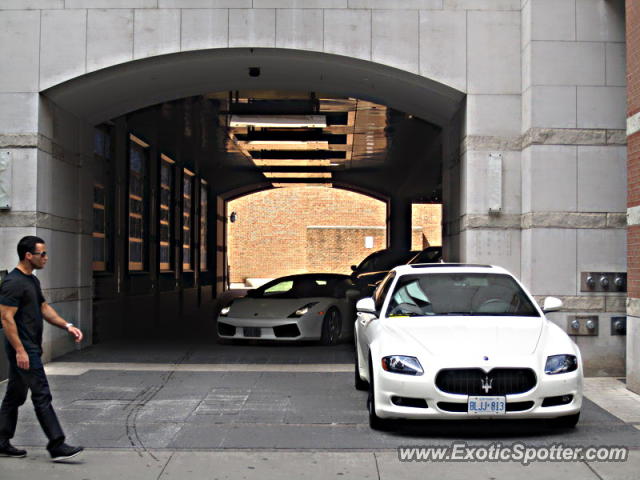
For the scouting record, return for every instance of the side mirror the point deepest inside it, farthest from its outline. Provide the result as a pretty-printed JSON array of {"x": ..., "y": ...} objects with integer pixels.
[
  {"x": 366, "y": 305},
  {"x": 353, "y": 268},
  {"x": 551, "y": 304}
]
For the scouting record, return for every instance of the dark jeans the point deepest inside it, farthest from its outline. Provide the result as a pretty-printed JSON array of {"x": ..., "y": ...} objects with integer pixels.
[{"x": 20, "y": 382}]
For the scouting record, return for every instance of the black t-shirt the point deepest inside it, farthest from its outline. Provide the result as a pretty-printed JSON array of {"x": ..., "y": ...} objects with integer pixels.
[{"x": 23, "y": 291}]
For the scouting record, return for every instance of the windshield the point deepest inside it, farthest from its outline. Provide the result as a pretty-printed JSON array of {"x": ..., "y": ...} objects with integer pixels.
[
  {"x": 304, "y": 286},
  {"x": 459, "y": 294}
]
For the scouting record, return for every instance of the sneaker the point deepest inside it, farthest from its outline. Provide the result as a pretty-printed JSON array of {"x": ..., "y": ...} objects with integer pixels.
[
  {"x": 8, "y": 450},
  {"x": 64, "y": 452}
]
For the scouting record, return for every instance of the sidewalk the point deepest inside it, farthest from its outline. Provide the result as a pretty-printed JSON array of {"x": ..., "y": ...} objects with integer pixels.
[{"x": 276, "y": 465}]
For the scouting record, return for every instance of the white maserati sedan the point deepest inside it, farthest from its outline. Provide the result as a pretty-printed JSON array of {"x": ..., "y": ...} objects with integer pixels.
[{"x": 455, "y": 341}]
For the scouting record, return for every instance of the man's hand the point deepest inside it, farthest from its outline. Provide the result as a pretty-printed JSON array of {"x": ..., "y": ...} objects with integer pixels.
[
  {"x": 76, "y": 332},
  {"x": 23, "y": 360}
]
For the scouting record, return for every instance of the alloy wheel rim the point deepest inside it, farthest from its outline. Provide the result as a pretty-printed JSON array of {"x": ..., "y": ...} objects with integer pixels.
[{"x": 333, "y": 326}]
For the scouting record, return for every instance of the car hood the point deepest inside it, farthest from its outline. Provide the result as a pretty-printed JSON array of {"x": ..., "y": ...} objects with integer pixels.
[
  {"x": 473, "y": 335},
  {"x": 271, "y": 307}
]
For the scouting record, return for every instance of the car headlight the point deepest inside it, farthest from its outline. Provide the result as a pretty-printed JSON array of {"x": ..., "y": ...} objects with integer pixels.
[
  {"x": 402, "y": 364},
  {"x": 560, "y": 364},
  {"x": 225, "y": 311},
  {"x": 302, "y": 310}
]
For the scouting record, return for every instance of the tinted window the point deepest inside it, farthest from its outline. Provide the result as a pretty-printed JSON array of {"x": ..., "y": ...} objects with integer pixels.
[
  {"x": 381, "y": 291},
  {"x": 459, "y": 294},
  {"x": 279, "y": 287},
  {"x": 303, "y": 286},
  {"x": 428, "y": 255}
]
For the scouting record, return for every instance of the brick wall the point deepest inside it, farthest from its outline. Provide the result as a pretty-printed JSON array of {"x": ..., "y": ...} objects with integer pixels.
[
  {"x": 276, "y": 232},
  {"x": 427, "y": 219},
  {"x": 335, "y": 249}
]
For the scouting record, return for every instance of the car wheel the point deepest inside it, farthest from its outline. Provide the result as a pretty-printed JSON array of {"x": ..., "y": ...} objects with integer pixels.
[
  {"x": 331, "y": 327},
  {"x": 360, "y": 384},
  {"x": 568, "y": 421},
  {"x": 375, "y": 422}
]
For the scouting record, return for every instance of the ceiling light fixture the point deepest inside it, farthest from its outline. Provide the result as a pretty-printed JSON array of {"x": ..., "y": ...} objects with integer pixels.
[
  {"x": 278, "y": 121},
  {"x": 297, "y": 174}
]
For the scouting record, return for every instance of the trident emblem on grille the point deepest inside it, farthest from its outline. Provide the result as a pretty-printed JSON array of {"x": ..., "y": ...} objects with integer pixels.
[{"x": 486, "y": 383}]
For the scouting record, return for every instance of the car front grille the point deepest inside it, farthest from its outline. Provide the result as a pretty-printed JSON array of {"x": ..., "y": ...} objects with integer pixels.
[
  {"x": 290, "y": 330},
  {"x": 474, "y": 381}
]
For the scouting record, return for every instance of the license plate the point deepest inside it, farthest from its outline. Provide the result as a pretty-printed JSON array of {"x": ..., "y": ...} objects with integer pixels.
[
  {"x": 487, "y": 405},
  {"x": 251, "y": 331}
]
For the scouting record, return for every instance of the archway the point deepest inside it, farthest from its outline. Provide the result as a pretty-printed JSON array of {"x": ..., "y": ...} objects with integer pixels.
[{"x": 147, "y": 101}]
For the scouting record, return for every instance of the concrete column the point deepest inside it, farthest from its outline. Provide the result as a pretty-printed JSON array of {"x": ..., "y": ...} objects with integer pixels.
[
  {"x": 573, "y": 204},
  {"x": 399, "y": 223}
]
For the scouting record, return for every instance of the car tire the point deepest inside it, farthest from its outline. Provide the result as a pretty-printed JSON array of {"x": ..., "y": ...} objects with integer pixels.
[
  {"x": 331, "y": 327},
  {"x": 360, "y": 384},
  {"x": 568, "y": 421},
  {"x": 375, "y": 422}
]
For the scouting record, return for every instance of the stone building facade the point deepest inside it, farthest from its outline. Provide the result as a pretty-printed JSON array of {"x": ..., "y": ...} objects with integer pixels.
[{"x": 529, "y": 98}]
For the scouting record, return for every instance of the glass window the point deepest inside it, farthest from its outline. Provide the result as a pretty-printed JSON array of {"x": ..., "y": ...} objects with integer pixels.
[
  {"x": 380, "y": 292},
  {"x": 187, "y": 221},
  {"x": 138, "y": 158},
  {"x": 102, "y": 142},
  {"x": 203, "y": 226},
  {"x": 279, "y": 287},
  {"x": 99, "y": 229},
  {"x": 100, "y": 234},
  {"x": 166, "y": 212},
  {"x": 459, "y": 294}
]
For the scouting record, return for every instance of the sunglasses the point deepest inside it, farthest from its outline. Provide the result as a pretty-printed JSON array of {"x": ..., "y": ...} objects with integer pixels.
[{"x": 44, "y": 254}]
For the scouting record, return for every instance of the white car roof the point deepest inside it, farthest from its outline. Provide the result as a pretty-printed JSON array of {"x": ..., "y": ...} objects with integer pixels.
[{"x": 427, "y": 268}]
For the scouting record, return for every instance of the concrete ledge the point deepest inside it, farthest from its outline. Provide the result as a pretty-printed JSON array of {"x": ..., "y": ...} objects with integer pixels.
[
  {"x": 571, "y": 303},
  {"x": 546, "y": 136},
  {"x": 43, "y": 143},
  {"x": 44, "y": 220},
  {"x": 616, "y": 304},
  {"x": 564, "y": 220},
  {"x": 504, "y": 221},
  {"x": 572, "y": 136},
  {"x": 19, "y": 140},
  {"x": 486, "y": 143},
  {"x": 572, "y": 220},
  {"x": 57, "y": 295}
]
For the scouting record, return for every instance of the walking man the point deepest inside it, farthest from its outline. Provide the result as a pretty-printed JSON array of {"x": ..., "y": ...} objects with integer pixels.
[{"x": 22, "y": 309}]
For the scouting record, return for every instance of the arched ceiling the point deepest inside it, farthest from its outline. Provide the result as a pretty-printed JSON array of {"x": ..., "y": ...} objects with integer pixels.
[
  {"x": 113, "y": 91},
  {"x": 378, "y": 131}
]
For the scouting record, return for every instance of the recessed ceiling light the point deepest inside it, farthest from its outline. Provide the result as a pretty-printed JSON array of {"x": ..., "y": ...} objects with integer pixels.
[{"x": 280, "y": 121}]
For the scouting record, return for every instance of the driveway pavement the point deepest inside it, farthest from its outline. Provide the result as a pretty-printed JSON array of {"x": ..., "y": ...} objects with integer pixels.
[{"x": 200, "y": 410}]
